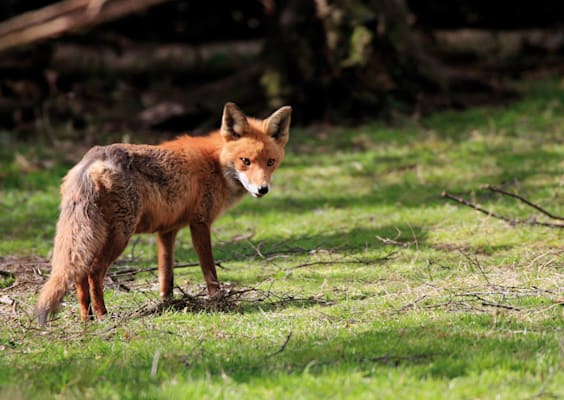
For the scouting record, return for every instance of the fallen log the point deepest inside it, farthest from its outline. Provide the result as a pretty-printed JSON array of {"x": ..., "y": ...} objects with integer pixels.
[{"x": 74, "y": 58}]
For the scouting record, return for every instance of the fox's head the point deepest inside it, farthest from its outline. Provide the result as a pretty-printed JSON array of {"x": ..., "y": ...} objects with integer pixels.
[{"x": 253, "y": 149}]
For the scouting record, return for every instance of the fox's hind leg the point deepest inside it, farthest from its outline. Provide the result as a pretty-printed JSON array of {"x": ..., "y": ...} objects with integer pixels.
[
  {"x": 96, "y": 282},
  {"x": 83, "y": 295},
  {"x": 96, "y": 276},
  {"x": 119, "y": 204}
]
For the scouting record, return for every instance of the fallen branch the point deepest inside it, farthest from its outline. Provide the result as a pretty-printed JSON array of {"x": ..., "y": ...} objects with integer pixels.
[
  {"x": 283, "y": 347},
  {"x": 23, "y": 264},
  {"x": 397, "y": 359},
  {"x": 309, "y": 264},
  {"x": 7, "y": 300},
  {"x": 479, "y": 299},
  {"x": 64, "y": 16},
  {"x": 393, "y": 242},
  {"x": 412, "y": 305},
  {"x": 476, "y": 263},
  {"x": 498, "y": 305},
  {"x": 134, "y": 271},
  {"x": 510, "y": 221},
  {"x": 524, "y": 200},
  {"x": 485, "y": 302},
  {"x": 230, "y": 300},
  {"x": 340, "y": 262}
]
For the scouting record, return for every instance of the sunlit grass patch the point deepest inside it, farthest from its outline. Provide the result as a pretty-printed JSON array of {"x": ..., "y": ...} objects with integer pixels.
[{"x": 352, "y": 279}]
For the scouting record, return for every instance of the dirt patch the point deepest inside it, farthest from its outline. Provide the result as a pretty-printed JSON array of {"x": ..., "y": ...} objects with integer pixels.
[
  {"x": 20, "y": 279},
  {"x": 26, "y": 275},
  {"x": 28, "y": 272},
  {"x": 231, "y": 299}
]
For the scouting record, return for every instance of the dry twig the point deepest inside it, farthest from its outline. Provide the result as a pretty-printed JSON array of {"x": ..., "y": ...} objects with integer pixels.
[
  {"x": 337, "y": 262},
  {"x": 524, "y": 200},
  {"x": 510, "y": 221},
  {"x": 479, "y": 299},
  {"x": 134, "y": 271},
  {"x": 283, "y": 347},
  {"x": 230, "y": 300}
]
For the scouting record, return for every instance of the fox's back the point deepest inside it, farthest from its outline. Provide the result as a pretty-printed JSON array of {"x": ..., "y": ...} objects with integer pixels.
[{"x": 163, "y": 187}]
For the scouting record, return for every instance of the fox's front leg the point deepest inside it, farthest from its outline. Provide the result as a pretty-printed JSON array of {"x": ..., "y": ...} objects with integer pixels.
[
  {"x": 201, "y": 239},
  {"x": 165, "y": 242}
]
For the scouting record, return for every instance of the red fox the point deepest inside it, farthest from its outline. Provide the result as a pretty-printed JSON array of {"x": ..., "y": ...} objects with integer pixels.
[{"x": 122, "y": 189}]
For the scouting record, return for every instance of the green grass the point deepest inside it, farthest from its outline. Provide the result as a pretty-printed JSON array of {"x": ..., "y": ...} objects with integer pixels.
[{"x": 454, "y": 305}]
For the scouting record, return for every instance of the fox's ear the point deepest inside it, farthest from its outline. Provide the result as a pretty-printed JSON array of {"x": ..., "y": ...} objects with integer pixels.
[
  {"x": 233, "y": 123},
  {"x": 278, "y": 125}
]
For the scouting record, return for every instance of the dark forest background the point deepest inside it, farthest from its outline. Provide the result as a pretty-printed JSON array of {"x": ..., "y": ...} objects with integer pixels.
[{"x": 169, "y": 66}]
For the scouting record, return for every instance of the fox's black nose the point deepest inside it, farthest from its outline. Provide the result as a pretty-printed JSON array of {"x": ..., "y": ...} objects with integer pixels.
[{"x": 263, "y": 190}]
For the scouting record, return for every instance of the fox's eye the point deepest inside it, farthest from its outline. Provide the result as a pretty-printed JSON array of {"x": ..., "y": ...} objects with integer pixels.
[
  {"x": 245, "y": 161},
  {"x": 270, "y": 162}
]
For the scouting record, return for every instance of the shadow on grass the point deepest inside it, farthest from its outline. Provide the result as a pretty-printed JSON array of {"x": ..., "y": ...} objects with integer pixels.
[
  {"x": 439, "y": 349},
  {"x": 431, "y": 350},
  {"x": 434, "y": 349},
  {"x": 353, "y": 240}
]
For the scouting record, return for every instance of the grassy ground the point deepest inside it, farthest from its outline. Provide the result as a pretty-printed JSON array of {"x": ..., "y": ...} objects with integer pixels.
[{"x": 352, "y": 279}]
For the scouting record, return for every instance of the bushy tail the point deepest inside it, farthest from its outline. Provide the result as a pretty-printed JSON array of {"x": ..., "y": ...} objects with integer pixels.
[
  {"x": 50, "y": 297},
  {"x": 81, "y": 233}
]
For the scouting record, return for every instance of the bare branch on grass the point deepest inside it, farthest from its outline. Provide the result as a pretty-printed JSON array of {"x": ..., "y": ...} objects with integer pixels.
[
  {"x": 35, "y": 264},
  {"x": 230, "y": 300},
  {"x": 485, "y": 302},
  {"x": 8, "y": 301},
  {"x": 342, "y": 261},
  {"x": 395, "y": 360},
  {"x": 135, "y": 271},
  {"x": 399, "y": 243},
  {"x": 283, "y": 347},
  {"x": 524, "y": 200},
  {"x": 411, "y": 305},
  {"x": 476, "y": 263},
  {"x": 393, "y": 242},
  {"x": 496, "y": 296},
  {"x": 256, "y": 248},
  {"x": 511, "y": 221},
  {"x": 339, "y": 262}
]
